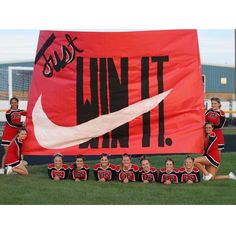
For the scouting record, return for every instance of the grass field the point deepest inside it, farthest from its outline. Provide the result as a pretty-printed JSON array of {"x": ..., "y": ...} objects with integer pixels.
[
  {"x": 38, "y": 189},
  {"x": 229, "y": 131}
]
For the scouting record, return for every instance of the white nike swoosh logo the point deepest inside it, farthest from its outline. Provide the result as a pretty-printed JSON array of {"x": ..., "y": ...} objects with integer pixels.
[{"x": 52, "y": 136}]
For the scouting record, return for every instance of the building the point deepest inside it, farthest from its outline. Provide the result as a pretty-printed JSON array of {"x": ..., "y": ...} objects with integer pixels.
[
  {"x": 15, "y": 78},
  {"x": 219, "y": 81}
]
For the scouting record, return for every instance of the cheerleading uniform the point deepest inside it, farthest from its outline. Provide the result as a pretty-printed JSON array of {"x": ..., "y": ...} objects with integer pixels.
[
  {"x": 217, "y": 118},
  {"x": 193, "y": 175},
  {"x": 173, "y": 176},
  {"x": 211, "y": 149},
  {"x": 12, "y": 126},
  {"x": 81, "y": 174},
  {"x": 108, "y": 173},
  {"x": 131, "y": 174},
  {"x": 62, "y": 172},
  {"x": 13, "y": 155},
  {"x": 151, "y": 176}
]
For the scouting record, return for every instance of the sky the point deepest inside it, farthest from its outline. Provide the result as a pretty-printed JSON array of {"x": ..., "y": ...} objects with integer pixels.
[{"x": 216, "y": 46}]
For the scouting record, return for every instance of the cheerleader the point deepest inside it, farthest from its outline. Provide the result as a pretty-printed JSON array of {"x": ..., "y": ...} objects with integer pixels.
[
  {"x": 208, "y": 163},
  {"x": 13, "y": 124},
  {"x": 217, "y": 117},
  {"x": 126, "y": 171},
  {"x": 169, "y": 174},
  {"x": 104, "y": 171},
  {"x": 13, "y": 159},
  {"x": 79, "y": 171},
  {"x": 57, "y": 170},
  {"x": 189, "y": 174},
  {"x": 147, "y": 174}
]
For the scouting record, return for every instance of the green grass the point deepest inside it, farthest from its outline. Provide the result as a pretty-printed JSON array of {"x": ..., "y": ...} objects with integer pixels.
[
  {"x": 38, "y": 189},
  {"x": 229, "y": 131}
]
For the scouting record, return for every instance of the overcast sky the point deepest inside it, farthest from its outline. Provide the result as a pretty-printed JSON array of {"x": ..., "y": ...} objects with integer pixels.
[{"x": 216, "y": 46}]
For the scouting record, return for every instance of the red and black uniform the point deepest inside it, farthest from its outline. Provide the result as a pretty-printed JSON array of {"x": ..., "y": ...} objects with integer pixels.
[
  {"x": 151, "y": 175},
  {"x": 81, "y": 174},
  {"x": 108, "y": 173},
  {"x": 12, "y": 126},
  {"x": 193, "y": 175},
  {"x": 62, "y": 172},
  {"x": 131, "y": 174},
  {"x": 173, "y": 176},
  {"x": 211, "y": 149},
  {"x": 13, "y": 156},
  {"x": 217, "y": 118}
]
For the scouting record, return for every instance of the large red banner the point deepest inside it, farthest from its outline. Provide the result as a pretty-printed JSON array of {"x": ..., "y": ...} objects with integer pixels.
[{"x": 116, "y": 92}]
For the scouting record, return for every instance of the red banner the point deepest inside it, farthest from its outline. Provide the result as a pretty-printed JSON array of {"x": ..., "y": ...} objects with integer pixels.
[{"x": 116, "y": 92}]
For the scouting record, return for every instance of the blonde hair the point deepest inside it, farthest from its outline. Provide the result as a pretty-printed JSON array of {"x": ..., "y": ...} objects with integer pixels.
[{"x": 57, "y": 155}]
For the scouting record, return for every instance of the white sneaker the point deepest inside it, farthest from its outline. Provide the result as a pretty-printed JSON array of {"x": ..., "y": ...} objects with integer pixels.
[
  {"x": 1, "y": 171},
  {"x": 9, "y": 170},
  {"x": 232, "y": 176},
  {"x": 207, "y": 177}
]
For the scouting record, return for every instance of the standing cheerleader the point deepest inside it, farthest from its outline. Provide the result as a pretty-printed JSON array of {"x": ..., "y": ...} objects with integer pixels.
[
  {"x": 79, "y": 171},
  {"x": 57, "y": 170},
  {"x": 189, "y": 174},
  {"x": 147, "y": 174},
  {"x": 217, "y": 117},
  {"x": 104, "y": 171},
  {"x": 208, "y": 163},
  {"x": 127, "y": 171},
  {"x": 13, "y": 124}
]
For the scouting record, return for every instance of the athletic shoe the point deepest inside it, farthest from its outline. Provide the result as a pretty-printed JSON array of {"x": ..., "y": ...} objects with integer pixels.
[
  {"x": 1, "y": 171},
  {"x": 9, "y": 170},
  {"x": 207, "y": 177},
  {"x": 203, "y": 176},
  {"x": 232, "y": 176}
]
